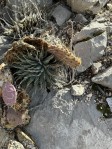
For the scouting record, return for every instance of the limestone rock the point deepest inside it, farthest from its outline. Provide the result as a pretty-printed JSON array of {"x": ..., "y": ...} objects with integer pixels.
[
  {"x": 59, "y": 123},
  {"x": 109, "y": 6},
  {"x": 83, "y": 5},
  {"x": 90, "y": 31},
  {"x": 15, "y": 145},
  {"x": 77, "y": 90},
  {"x": 90, "y": 50},
  {"x": 4, "y": 137},
  {"x": 104, "y": 78},
  {"x": 90, "y": 44},
  {"x": 61, "y": 14},
  {"x": 109, "y": 101},
  {"x": 80, "y": 19},
  {"x": 96, "y": 67},
  {"x": 97, "y": 7}
]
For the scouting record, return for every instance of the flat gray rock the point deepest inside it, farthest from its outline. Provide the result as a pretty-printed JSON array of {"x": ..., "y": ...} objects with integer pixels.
[
  {"x": 77, "y": 90},
  {"x": 80, "y": 19},
  {"x": 96, "y": 67},
  {"x": 4, "y": 137},
  {"x": 90, "y": 51},
  {"x": 59, "y": 123},
  {"x": 61, "y": 14},
  {"x": 105, "y": 78},
  {"x": 90, "y": 31},
  {"x": 83, "y": 5}
]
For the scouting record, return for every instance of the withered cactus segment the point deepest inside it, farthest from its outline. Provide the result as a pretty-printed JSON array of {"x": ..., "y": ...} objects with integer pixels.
[
  {"x": 50, "y": 43},
  {"x": 14, "y": 118},
  {"x": 9, "y": 94},
  {"x": 60, "y": 51},
  {"x": 54, "y": 46},
  {"x": 17, "y": 47},
  {"x": 17, "y": 114},
  {"x": 23, "y": 101},
  {"x": 65, "y": 56}
]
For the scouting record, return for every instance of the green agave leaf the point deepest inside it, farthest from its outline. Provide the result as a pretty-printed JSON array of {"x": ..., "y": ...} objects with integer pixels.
[
  {"x": 38, "y": 69},
  {"x": 48, "y": 59},
  {"x": 30, "y": 82},
  {"x": 23, "y": 80},
  {"x": 50, "y": 73},
  {"x": 41, "y": 54}
]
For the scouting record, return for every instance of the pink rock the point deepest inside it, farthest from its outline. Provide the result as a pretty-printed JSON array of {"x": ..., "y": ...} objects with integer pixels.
[{"x": 9, "y": 94}]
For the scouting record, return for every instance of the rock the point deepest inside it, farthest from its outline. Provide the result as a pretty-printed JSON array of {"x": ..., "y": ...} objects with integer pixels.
[
  {"x": 90, "y": 50},
  {"x": 80, "y": 19},
  {"x": 25, "y": 139},
  {"x": 109, "y": 101},
  {"x": 101, "y": 20},
  {"x": 84, "y": 5},
  {"x": 61, "y": 14},
  {"x": 99, "y": 4},
  {"x": 109, "y": 6},
  {"x": 90, "y": 31},
  {"x": 90, "y": 44},
  {"x": 59, "y": 123},
  {"x": 96, "y": 67},
  {"x": 77, "y": 90},
  {"x": 4, "y": 137},
  {"x": 89, "y": 96},
  {"x": 15, "y": 145},
  {"x": 104, "y": 78},
  {"x": 109, "y": 29}
]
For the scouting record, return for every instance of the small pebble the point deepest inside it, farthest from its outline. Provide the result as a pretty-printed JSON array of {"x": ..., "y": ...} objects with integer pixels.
[{"x": 15, "y": 145}]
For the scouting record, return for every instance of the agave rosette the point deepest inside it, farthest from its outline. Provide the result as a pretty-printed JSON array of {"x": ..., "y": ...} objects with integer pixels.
[{"x": 38, "y": 61}]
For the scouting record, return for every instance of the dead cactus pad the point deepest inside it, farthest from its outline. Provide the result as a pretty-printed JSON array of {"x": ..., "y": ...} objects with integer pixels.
[
  {"x": 5, "y": 75},
  {"x": 52, "y": 44},
  {"x": 9, "y": 94},
  {"x": 17, "y": 114}
]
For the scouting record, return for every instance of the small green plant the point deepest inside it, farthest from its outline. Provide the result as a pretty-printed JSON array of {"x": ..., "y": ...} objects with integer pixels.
[
  {"x": 38, "y": 62},
  {"x": 36, "y": 69}
]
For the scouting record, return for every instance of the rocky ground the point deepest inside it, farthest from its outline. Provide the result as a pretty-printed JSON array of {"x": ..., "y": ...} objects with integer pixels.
[{"x": 79, "y": 115}]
